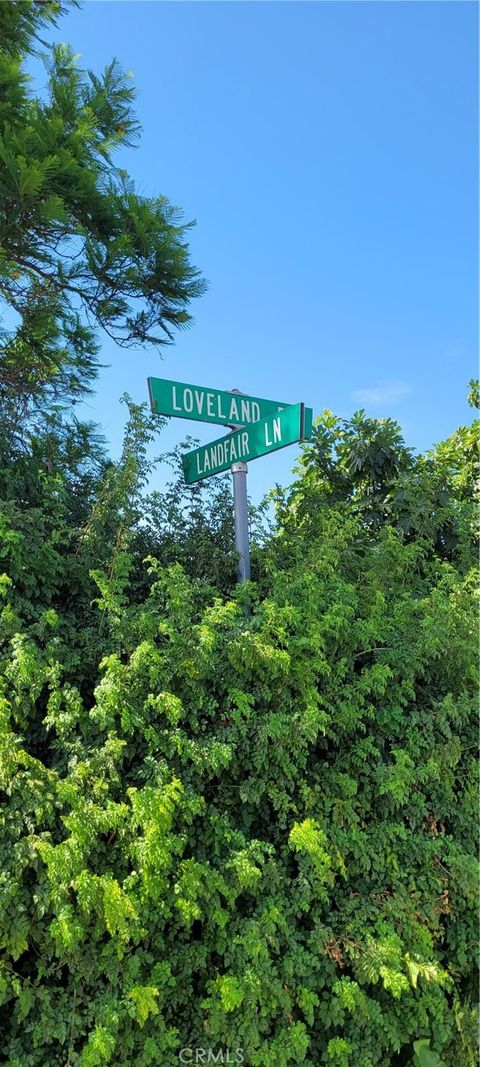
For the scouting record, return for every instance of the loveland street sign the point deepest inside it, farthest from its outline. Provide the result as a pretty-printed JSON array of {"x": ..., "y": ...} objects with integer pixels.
[
  {"x": 275, "y": 431},
  {"x": 208, "y": 405}
]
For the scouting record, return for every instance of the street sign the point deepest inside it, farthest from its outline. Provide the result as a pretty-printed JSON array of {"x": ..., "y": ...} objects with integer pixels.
[
  {"x": 259, "y": 426},
  {"x": 208, "y": 405},
  {"x": 285, "y": 427}
]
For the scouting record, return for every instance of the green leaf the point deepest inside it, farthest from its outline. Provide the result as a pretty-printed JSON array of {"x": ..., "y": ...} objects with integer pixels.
[{"x": 425, "y": 1056}]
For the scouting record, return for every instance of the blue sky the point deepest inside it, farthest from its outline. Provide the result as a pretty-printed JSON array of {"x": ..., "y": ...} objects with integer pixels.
[{"x": 328, "y": 152}]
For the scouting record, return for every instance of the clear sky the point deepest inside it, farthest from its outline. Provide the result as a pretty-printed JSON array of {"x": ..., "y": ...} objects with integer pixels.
[{"x": 328, "y": 152}]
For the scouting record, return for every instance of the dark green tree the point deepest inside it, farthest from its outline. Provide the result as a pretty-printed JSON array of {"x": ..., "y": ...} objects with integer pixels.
[
  {"x": 79, "y": 248},
  {"x": 364, "y": 466}
]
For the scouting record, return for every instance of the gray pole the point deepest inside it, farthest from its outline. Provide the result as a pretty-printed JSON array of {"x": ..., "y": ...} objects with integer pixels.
[{"x": 240, "y": 513}]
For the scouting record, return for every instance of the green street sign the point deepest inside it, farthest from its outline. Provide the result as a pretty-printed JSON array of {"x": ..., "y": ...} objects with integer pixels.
[
  {"x": 285, "y": 427},
  {"x": 208, "y": 405}
]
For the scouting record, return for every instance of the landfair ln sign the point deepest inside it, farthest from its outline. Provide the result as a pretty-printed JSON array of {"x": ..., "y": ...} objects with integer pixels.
[
  {"x": 292, "y": 424},
  {"x": 208, "y": 405}
]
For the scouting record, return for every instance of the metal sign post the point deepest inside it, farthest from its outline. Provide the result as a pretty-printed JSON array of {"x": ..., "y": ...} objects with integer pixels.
[
  {"x": 258, "y": 427},
  {"x": 240, "y": 512}
]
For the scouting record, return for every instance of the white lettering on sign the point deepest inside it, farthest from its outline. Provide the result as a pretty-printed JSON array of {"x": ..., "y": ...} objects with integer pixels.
[
  {"x": 277, "y": 433},
  {"x": 229, "y": 451},
  {"x": 197, "y": 401}
]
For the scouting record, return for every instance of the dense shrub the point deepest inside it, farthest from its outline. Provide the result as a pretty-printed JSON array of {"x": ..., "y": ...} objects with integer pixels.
[{"x": 248, "y": 831}]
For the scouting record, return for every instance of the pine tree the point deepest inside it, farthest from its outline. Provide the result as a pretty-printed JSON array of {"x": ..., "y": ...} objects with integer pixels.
[{"x": 79, "y": 248}]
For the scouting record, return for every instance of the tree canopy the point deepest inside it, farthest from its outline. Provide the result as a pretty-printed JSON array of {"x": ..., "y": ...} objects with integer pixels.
[{"x": 80, "y": 249}]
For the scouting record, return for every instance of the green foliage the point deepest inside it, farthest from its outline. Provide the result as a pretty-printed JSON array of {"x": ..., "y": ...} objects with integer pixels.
[
  {"x": 474, "y": 393},
  {"x": 363, "y": 465},
  {"x": 220, "y": 830},
  {"x": 193, "y": 525},
  {"x": 79, "y": 248},
  {"x": 424, "y": 1057},
  {"x": 223, "y": 831},
  {"x": 358, "y": 458}
]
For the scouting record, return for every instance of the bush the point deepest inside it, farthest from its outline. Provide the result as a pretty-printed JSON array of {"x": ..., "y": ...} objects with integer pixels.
[{"x": 257, "y": 832}]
